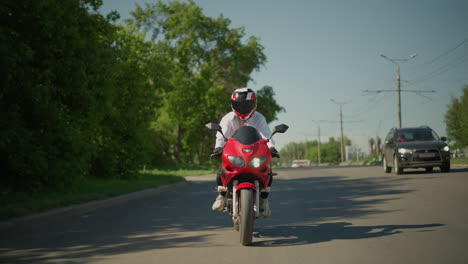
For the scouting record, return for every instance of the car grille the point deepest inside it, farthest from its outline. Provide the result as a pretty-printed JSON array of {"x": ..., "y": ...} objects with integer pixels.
[{"x": 426, "y": 155}]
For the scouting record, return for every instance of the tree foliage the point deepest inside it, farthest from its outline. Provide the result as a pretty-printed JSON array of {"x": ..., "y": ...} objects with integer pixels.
[
  {"x": 267, "y": 105},
  {"x": 456, "y": 120},
  {"x": 84, "y": 97},
  {"x": 329, "y": 151},
  {"x": 207, "y": 61},
  {"x": 57, "y": 72}
]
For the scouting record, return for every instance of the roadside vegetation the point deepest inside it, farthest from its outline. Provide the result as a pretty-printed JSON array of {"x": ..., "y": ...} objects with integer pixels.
[
  {"x": 93, "y": 106},
  {"x": 20, "y": 203},
  {"x": 329, "y": 152},
  {"x": 459, "y": 160},
  {"x": 88, "y": 101}
]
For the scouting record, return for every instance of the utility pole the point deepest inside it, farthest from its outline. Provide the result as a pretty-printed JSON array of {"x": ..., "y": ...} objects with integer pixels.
[
  {"x": 398, "y": 82},
  {"x": 317, "y": 122},
  {"x": 342, "y": 138},
  {"x": 399, "y": 95},
  {"x": 319, "y": 145},
  {"x": 377, "y": 139},
  {"x": 342, "y": 149}
]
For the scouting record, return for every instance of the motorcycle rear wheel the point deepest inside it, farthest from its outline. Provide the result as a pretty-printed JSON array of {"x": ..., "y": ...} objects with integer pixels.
[{"x": 246, "y": 215}]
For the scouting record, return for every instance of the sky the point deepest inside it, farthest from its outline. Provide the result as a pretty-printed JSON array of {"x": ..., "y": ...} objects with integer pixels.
[{"x": 322, "y": 53}]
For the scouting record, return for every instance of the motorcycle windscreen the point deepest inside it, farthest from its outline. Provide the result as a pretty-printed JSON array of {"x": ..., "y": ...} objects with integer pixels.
[{"x": 247, "y": 135}]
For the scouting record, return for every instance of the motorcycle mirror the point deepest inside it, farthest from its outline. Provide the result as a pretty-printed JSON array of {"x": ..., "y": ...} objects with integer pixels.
[
  {"x": 216, "y": 127},
  {"x": 279, "y": 129},
  {"x": 213, "y": 127}
]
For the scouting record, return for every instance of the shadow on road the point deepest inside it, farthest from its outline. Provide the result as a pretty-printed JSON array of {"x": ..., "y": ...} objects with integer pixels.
[
  {"x": 435, "y": 172},
  {"x": 183, "y": 219},
  {"x": 302, "y": 234}
]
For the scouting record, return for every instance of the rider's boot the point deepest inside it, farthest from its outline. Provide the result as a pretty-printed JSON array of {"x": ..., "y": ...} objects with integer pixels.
[
  {"x": 265, "y": 210},
  {"x": 220, "y": 201}
]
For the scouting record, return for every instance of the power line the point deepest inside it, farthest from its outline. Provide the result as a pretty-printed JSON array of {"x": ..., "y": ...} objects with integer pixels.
[
  {"x": 398, "y": 90},
  {"x": 376, "y": 99},
  {"x": 449, "y": 51},
  {"x": 454, "y": 62},
  {"x": 441, "y": 70}
]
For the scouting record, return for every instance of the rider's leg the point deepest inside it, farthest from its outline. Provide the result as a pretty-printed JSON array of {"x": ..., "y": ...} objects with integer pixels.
[
  {"x": 264, "y": 203},
  {"x": 220, "y": 201}
]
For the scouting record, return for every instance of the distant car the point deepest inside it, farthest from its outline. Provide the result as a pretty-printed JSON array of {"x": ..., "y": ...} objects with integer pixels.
[
  {"x": 415, "y": 147},
  {"x": 300, "y": 163}
]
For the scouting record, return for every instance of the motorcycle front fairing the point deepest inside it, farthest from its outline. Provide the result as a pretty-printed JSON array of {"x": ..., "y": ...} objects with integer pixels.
[{"x": 246, "y": 144}]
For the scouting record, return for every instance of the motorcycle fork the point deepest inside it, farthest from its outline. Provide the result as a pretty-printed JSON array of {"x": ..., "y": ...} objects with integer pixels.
[{"x": 235, "y": 200}]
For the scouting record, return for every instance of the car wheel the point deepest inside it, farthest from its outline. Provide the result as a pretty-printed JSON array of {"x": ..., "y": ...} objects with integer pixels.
[
  {"x": 429, "y": 169},
  {"x": 397, "y": 169},
  {"x": 445, "y": 167},
  {"x": 385, "y": 165}
]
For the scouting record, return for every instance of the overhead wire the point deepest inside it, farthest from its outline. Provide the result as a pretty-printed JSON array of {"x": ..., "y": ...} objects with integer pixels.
[
  {"x": 453, "y": 63},
  {"x": 370, "y": 104},
  {"x": 441, "y": 70},
  {"x": 449, "y": 51}
]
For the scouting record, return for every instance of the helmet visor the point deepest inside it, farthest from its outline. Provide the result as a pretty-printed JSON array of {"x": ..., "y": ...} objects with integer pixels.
[{"x": 243, "y": 107}]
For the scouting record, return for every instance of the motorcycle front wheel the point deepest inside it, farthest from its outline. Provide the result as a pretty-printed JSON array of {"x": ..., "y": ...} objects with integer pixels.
[{"x": 246, "y": 215}]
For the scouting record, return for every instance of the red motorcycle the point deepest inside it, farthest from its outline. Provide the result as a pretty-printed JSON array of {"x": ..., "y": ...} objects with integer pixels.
[{"x": 246, "y": 163}]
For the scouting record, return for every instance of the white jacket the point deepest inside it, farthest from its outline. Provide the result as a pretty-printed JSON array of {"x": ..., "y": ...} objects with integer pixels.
[{"x": 231, "y": 122}]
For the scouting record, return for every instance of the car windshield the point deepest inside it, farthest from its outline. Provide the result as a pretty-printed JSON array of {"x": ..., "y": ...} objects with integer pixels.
[{"x": 418, "y": 134}]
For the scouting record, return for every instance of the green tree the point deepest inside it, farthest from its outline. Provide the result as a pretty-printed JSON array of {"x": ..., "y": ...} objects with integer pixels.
[
  {"x": 55, "y": 87},
  {"x": 456, "y": 120},
  {"x": 127, "y": 141},
  {"x": 207, "y": 59},
  {"x": 267, "y": 105},
  {"x": 329, "y": 151},
  {"x": 293, "y": 151},
  {"x": 77, "y": 99}
]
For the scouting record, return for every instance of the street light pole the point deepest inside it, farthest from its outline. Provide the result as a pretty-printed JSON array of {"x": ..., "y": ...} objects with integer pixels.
[
  {"x": 342, "y": 138},
  {"x": 319, "y": 145},
  {"x": 342, "y": 149},
  {"x": 399, "y": 95},
  {"x": 317, "y": 122},
  {"x": 398, "y": 81}
]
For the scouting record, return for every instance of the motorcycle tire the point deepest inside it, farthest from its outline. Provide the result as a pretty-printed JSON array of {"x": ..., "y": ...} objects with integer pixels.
[{"x": 246, "y": 214}]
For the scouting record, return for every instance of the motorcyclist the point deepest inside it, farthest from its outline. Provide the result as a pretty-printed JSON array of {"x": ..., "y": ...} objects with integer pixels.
[{"x": 244, "y": 104}]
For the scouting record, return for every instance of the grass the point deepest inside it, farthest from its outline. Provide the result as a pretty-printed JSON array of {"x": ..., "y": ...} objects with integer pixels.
[
  {"x": 183, "y": 172},
  {"x": 459, "y": 160},
  {"x": 15, "y": 204}
]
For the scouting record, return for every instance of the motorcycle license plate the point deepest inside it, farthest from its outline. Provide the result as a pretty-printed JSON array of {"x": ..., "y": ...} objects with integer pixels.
[{"x": 426, "y": 155}]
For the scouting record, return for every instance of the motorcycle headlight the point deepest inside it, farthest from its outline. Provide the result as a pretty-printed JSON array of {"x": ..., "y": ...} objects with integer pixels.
[
  {"x": 446, "y": 148},
  {"x": 257, "y": 162},
  {"x": 404, "y": 151},
  {"x": 236, "y": 161}
]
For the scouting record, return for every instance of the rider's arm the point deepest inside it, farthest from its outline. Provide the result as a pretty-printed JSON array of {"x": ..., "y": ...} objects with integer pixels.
[
  {"x": 264, "y": 129},
  {"x": 227, "y": 128}
]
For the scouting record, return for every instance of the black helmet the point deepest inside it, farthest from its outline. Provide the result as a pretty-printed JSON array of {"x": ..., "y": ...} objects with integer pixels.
[{"x": 243, "y": 103}]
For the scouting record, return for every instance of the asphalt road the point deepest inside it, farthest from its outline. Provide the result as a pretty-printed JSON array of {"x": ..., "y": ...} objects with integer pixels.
[{"x": 327, "y": 215}]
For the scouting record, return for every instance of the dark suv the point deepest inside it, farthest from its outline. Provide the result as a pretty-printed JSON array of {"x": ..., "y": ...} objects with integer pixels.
[{"x": 415, "y": 147}]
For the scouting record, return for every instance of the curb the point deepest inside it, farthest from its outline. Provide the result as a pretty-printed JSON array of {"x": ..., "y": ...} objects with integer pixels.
[{"x": 92, "y": 205}]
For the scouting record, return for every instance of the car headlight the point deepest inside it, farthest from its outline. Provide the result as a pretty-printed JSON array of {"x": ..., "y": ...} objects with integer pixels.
[
  {"x": 257, "y": 162},
  {"x": 404, "y": 151},
  {"x": 236, "y": 161},
  {"x": 446, "y": 148}
]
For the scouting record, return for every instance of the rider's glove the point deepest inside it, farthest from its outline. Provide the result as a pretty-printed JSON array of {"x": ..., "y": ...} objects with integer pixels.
[
  {"x": 217, "y": 152},
  {"x": 274, "y": 153}
]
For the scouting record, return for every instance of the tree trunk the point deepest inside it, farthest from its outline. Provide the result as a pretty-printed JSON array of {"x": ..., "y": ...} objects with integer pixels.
[{"x": 178, "y": 144}]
